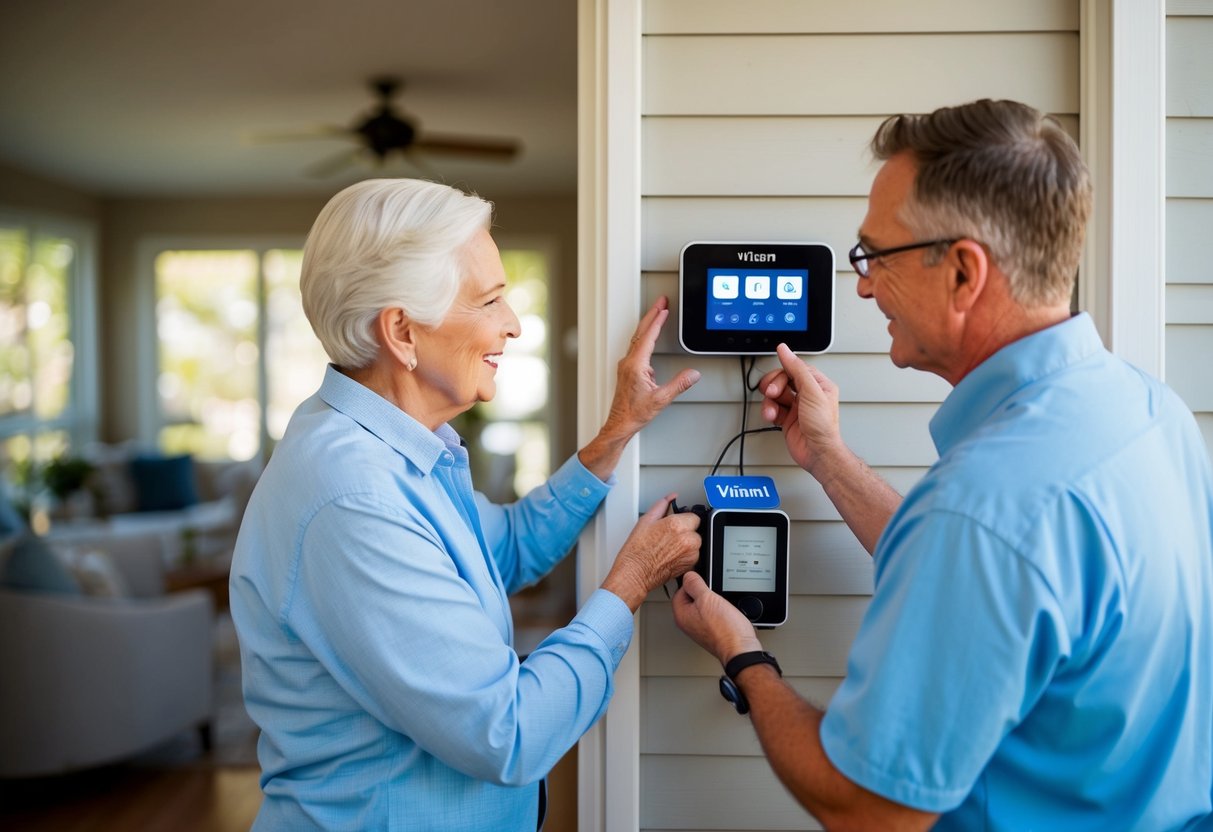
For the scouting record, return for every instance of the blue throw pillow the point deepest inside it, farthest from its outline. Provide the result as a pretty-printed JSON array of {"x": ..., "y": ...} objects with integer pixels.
[
  {"x": 163, "y": 483},
  {"x": 31, "y": 565},
  {"x": 11, "y": 521}
]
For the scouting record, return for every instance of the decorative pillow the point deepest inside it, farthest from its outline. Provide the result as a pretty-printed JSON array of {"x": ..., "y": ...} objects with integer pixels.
[
  {"x": 11, "y": 521},
  {"x": 95, "y": 572},
  {"x": 31, "y": 565},
  {"x": 164, "y": 483}
]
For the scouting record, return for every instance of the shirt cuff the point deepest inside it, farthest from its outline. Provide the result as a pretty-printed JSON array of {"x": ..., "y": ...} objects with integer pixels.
[
  {"x": 578, "y": 489},
  {"x": 608, "y": 616}
]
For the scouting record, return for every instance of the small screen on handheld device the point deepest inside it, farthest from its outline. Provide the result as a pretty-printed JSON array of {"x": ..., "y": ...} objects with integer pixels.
[{"x": 749, "y": 559}]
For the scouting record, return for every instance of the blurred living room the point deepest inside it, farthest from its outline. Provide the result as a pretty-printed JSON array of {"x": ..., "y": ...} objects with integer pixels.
[{"x": 160, "y": 166}]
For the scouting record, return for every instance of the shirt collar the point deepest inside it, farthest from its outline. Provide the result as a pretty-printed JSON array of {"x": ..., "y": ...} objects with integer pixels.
[
  {"x": 419, "y": 445},
  {"x": 1012, "y": 368}
]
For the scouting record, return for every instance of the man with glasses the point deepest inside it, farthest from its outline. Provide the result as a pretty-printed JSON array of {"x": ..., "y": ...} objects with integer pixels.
[{"x": 1038, "y": 651}]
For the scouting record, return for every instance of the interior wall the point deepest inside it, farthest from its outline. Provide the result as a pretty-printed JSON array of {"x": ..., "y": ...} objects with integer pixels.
[{"x": 19, "y": 189}]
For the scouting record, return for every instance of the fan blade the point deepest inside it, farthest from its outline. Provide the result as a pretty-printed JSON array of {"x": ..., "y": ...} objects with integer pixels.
[
  {"x": 503, "y": 149},
  {"x": 325, "y": 131},
  {"x": 334, "y": 164}
]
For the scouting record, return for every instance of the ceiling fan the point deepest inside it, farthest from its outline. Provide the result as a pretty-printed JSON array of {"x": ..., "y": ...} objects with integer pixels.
[{"x": 386, "y": 131}]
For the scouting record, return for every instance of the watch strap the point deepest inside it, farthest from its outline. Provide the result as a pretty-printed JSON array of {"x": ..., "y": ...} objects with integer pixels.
[{"x": 743, "y": 660}]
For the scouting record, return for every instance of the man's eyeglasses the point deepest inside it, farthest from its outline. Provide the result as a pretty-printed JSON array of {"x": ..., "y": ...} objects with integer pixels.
[{"x": 859, "y": 256}]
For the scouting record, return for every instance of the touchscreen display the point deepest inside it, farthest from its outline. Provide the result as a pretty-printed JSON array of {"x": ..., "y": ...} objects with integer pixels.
[
  {"x": 749, "y": 559},
  {"x": 758, "y": 299}
]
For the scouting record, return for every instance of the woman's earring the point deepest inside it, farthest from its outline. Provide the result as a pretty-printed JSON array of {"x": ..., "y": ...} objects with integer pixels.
[{"x": 412, "y": 365}]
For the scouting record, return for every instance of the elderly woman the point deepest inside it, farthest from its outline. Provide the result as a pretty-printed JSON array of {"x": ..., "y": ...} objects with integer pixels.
[{"x": 369, "y": 586}]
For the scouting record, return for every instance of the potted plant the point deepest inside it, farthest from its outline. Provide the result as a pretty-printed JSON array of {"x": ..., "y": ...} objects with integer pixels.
[{"x": 65, "y": 476}]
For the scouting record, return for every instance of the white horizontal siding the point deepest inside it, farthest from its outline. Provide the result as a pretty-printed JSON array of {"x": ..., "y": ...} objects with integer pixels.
[
  {"x": 1205, "y": 422},
  {"x": 765, "y": 75},
  {"x": 717, "y": 793},
  {"x": 784, "y": 16},
  {"x": 889, "y": 434},
  {"x": 1189, "y": 7},
  {"x": 682, "y": 705},
  {"x": 1189, "y": 227},
  {"x": 1190, "y": 156},
  {"x": 1189, "y": 298},
  {"x": 1189, "y": 304},
  {"x": 814, "y": 641},
  {"x": 866, "y": 378},
  {"x": 1190, "y": 67},
  {"x": 1189, "y": 349},
  {"x": 668, "y": 224},
  {"x": 775, "y": 156}
]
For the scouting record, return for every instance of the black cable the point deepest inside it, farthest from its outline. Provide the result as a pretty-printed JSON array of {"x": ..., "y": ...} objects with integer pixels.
[
  {"x": 747, "y": 389},
  {"x": 734, "y": 439}
]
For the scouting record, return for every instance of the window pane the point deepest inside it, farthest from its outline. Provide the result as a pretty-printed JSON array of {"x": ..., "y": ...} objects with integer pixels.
[
  {"x": 16, "y": 389},
  {"x": 206, "y": 318},
  {"x": 508, "y": 437},
  {"x": 522, "y": 376},
  {"x": 294, "y": 359},
  {"x": 22, "y": 456},
  {"x": 48, "y": 289}
]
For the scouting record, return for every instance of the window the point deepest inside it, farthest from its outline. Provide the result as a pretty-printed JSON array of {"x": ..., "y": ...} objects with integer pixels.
[
  {"x": 47, "y": 354},
  {"x": 236, "y": 356},
  {"x": 509, "y": 437},
  {"x": 235, "y": 352}
]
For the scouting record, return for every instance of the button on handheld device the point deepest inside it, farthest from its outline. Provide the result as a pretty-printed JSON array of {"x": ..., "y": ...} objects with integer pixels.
[
  {"x": 747, "y": 298},
  {"x": 748, "y": 562}
]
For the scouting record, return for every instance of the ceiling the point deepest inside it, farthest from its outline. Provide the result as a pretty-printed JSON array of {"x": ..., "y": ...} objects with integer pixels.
[{"x": 162, "y": 97}]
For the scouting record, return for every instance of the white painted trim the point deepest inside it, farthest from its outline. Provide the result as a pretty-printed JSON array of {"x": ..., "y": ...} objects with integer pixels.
[
  {"x": 1122, "y": 132},
  {"x": 609, "y": 296}
]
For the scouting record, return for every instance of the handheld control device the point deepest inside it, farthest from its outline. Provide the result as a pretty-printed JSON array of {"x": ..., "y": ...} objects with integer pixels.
[
  {"x": 747, "y": 298},
  {"x": 748, "y": 562}
]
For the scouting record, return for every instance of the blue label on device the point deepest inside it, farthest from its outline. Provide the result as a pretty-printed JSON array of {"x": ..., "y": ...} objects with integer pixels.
[{"x": 741, "y": 492}]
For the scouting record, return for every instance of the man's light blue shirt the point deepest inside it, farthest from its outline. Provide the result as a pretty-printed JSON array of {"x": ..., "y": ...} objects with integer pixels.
[
  {"x": 1038, "y": 653},
  {"x": 369, "y": 590}
]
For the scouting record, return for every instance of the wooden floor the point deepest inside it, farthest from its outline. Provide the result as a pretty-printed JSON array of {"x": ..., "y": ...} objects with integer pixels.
[
  {"x": 134, "y": 798},
  {"x": 138, "y": 797}
]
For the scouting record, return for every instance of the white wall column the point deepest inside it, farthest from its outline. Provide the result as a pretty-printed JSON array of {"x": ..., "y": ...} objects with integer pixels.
[
  {"x": 1122, "y": 132},
  {"x": 608, "y": 284}
]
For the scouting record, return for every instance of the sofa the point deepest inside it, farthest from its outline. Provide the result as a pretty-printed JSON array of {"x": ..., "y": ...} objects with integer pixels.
[
  {"x": 193, "y": 507},
  {"x": 96, "y": 670}
]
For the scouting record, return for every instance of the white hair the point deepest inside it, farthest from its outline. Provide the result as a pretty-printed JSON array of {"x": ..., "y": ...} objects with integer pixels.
[{"x": 384, "y": 243}]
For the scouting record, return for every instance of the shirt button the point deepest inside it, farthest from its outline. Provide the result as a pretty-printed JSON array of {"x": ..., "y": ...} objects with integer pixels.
[{"x": 585, "y": 492}]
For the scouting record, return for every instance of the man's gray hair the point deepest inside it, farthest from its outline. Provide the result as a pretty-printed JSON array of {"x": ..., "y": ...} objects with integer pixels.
[
  {"x": 385, "y": 243},
  {"x": 1003, "y": 174}
]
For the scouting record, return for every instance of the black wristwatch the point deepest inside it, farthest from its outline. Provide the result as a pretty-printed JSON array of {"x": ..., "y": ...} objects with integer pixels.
[{"x": 728, "y": 684}]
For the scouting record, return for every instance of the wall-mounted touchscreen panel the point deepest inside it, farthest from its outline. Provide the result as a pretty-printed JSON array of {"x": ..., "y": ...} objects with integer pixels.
[{"x": 746, "y": 298}]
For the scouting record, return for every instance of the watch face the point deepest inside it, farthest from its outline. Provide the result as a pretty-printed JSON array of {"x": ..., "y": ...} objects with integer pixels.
[{"x": 732, "y": 693}]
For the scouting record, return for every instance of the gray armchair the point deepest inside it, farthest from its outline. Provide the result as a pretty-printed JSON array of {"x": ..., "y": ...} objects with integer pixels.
[{"x": 89, "y": 680}]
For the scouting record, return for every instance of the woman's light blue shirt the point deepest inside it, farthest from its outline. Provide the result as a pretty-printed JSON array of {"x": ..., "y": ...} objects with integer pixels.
[
  {"x": 1038, "y": 653},
  {"x": 369, "y": 590}
]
